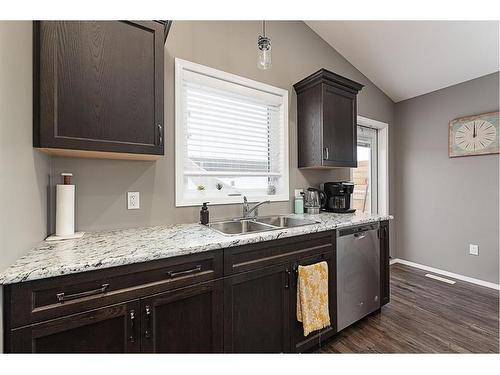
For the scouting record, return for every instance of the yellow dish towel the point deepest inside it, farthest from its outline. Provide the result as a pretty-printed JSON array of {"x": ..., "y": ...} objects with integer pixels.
[{"x": 312, "y": 297}]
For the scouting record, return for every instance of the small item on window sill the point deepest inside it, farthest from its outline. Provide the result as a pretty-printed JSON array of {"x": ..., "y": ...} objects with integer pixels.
[
  {"x": 219, "y": 186},
  {"x": 204, "y": 214}
]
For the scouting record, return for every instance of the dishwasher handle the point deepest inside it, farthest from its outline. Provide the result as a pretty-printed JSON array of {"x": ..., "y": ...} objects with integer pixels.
[{"x": 357, "y": 231}]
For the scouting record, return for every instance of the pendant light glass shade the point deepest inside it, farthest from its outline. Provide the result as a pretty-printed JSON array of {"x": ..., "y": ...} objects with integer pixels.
[{"x": 264, "y": 49}]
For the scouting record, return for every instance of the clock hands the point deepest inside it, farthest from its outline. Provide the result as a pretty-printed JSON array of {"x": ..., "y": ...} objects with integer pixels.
[{"x": 475, "y": 136}]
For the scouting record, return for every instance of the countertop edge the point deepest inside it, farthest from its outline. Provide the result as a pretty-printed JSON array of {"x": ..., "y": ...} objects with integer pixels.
[{"x": 10, "y": 276}]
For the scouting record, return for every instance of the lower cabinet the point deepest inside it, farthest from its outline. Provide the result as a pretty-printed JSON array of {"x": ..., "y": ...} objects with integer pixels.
[
  {"x": 260, "y": 309},
  {"x": 256, "y": 309},
  {"x": 182, "y": 305},
  {"x": 112, "y": 329},
  {"x": 384, "y": 263},
  {"x": 300, "y": 342},
  {"x": 187, "y": 320}
]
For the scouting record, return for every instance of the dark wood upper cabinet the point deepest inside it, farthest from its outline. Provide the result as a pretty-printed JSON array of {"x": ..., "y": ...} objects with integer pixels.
[
  {"x": 98, "y": 88},
  {"x": 326, "y": 120}
]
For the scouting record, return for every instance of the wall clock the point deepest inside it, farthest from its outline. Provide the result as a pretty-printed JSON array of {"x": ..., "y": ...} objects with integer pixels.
[{"x": 474, "y": 135}]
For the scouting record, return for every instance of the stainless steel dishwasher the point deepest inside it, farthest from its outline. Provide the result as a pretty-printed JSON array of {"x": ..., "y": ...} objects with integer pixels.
[{"x": 358, "y": 273}]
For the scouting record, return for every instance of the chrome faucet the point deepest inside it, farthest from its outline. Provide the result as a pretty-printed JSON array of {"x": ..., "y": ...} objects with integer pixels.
[{"x": 250, "y": 213}]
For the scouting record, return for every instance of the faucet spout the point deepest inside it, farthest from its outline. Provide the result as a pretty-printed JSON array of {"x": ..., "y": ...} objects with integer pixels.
[{"x": 251, "y": 212}]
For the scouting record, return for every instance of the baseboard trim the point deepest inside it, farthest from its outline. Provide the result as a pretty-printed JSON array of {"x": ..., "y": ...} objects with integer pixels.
[{"x": 457, "y": 276}]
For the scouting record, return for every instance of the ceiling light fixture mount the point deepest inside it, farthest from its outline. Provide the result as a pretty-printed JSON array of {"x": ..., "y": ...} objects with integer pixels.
[{"x": 264, "y": 44}]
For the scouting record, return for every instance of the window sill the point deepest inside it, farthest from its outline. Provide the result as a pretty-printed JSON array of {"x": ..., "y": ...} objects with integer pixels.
[{"x": 231, "y": 200}]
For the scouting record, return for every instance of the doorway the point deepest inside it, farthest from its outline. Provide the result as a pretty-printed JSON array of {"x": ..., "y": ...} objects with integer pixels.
[{"x": 365, "y": 176}]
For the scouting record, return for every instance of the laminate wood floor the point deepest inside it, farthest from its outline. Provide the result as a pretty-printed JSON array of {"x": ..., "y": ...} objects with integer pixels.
[{"x": 425, "y": 316}]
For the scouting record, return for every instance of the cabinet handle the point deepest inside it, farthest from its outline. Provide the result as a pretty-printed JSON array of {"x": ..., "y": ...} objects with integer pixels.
[
  {"x": 326, "y": 153},
  {"x": 132, "y": 326},
  {"x": 295, "y": 275},
  {"x": 147, "y": 331},
  {"x": 359, "y": 236},
  {"x": 287, "y": 279},
  {"x": 160, "y": 134},
  {"x": 61, "y": 297},
  {"x": 186, "y": 272}
]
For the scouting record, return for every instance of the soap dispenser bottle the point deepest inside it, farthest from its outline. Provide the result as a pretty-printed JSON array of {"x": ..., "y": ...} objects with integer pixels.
[{"x": 204, "y": 214}]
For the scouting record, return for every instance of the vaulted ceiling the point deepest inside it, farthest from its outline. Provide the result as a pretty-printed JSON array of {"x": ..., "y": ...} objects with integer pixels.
[{"x": 410, "y": 58}]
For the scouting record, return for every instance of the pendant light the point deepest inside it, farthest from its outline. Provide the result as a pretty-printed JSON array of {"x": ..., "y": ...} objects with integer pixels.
[{"x": 264, "y": 44}]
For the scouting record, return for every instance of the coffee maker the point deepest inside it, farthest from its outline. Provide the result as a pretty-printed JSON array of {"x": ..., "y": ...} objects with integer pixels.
[{"x": 338, "y": 196}]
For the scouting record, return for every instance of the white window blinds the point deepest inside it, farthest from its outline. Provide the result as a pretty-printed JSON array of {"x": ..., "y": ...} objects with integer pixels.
[{"x": 230, "y": 136}]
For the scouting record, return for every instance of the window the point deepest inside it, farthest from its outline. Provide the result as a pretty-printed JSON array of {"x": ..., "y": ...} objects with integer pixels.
[
  {"x": 365, "y": 176},
  {"x": 231, "y": 138}
]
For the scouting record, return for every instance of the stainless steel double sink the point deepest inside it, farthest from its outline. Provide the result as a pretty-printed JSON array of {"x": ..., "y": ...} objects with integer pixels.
[{"x": 259, "y": 224}]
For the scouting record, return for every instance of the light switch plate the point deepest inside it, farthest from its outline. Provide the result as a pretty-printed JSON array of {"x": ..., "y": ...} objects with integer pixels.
[
  {"x": 133, "y": 200},
  {"x": 473, "y": 249}
]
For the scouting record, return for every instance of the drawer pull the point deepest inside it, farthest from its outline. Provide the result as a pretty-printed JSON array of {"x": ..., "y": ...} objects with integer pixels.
[
  {"x": 61, "y": 297},
  {"x": 186, "y": 272}
]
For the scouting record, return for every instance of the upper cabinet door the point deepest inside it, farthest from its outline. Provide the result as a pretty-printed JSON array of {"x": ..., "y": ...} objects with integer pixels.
[
  {"x": 326, "y": 120},
  {"x": 99, "y": 88},
  {"x": 339, "y": 128}
]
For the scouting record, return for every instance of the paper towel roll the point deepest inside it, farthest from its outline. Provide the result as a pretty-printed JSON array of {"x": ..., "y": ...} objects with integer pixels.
[{"x": 65, "y": 210}]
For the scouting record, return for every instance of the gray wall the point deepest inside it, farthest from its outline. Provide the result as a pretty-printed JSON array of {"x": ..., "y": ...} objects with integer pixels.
[
  {"x": 445, "y": 204},
  {"x": 23, "y": 170},
  {"x": 231, "y": 47},
  {"x": 102, "y": 184}
]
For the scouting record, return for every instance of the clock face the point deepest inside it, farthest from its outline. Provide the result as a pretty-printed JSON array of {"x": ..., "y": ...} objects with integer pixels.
[{"x": 475, "y": 135}]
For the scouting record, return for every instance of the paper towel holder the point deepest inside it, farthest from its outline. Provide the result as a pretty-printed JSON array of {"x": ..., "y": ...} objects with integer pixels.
[
  {"x": 67, "y": 178},
  {"x": 64, "y": 189}
]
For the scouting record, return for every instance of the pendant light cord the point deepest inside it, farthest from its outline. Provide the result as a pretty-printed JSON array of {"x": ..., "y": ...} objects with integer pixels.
[{"x": 264, "y": 28}]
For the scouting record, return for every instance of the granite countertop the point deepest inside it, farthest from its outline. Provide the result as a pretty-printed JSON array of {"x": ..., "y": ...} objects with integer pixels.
[{"x": 104, "y": 249}]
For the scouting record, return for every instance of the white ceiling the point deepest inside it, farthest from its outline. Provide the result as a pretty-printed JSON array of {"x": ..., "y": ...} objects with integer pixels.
[{"x": 410, "y": 58}]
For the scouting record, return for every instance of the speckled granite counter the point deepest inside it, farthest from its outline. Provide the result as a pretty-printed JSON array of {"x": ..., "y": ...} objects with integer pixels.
[{"x": 98, "y": 250}]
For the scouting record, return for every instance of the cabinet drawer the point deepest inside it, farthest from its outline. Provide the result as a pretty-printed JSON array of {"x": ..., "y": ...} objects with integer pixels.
[
  {"x": 253, "y": 256},
  {"x": 40, "y": 300}
]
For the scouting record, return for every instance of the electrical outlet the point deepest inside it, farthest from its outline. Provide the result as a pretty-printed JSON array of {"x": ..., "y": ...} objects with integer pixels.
[
  {"x": 473, "y": 249},
  {"x": 133, "y": 200}
]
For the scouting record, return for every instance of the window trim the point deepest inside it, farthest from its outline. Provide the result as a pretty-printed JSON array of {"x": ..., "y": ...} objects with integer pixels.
[
  {"x": 180, "y": 67},
  {"x": 382, "y": 161},
  {"x": 372, "y": 142}
]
